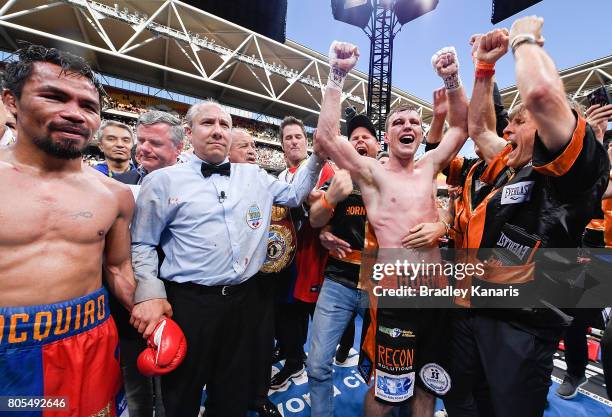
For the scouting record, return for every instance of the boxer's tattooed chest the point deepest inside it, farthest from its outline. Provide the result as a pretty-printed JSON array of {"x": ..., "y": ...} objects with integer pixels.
[{"x": 81, "y": 215}]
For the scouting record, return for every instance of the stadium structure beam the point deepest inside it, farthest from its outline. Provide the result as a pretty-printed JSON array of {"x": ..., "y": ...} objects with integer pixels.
[
  {"x": 143, "y": 62},
  {"x": 293, "y": 80},
  {"x": 138, "y": 45},
  {"x": 7, "y": 6},
  {"x": 578, "y": 80},
  {"x": 514, "y": 100},
  {"x": 381, "y": 60},
  {"x": 143, "y": 26},
  {"x": 98, "y": 27},
  {"x": 227, "y": 59},
  {"x": 605, "y": 74},
  {"x": 264, "y": 86},
  {"x": 164, "y": 81},
  {"x": 266, "y": 70},
  {"x": 191, "y": 44},
  {"x": 27, "y": 11},
  {"x": 196, "y": 65},
  {"x": 349, "y": 92},
  {"x": 229, "y": 81},
  {"x": 588, "y": 77},
  {"x": 79, "y": 19},
  {"x": 113, "y": 44}
]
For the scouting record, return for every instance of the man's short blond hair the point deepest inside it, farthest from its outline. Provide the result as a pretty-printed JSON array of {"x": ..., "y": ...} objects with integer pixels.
[
  {"x": 517, "y": 110},
  {"x": 398, "y": 109}
]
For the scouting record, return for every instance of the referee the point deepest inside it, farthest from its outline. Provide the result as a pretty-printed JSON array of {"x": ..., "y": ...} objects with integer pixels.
[{"x": 211, "y": 218}]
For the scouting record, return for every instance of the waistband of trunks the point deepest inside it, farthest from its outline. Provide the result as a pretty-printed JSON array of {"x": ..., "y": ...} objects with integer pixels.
[{"x": 43, "y": 324}]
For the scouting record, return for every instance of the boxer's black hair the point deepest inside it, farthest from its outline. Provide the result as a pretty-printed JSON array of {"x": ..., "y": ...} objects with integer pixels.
[{"x": 18, "y": 71}]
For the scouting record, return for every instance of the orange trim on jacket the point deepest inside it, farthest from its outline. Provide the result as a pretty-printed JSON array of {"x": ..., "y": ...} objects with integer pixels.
[
  {"x": 606, "y": 206},
  {"x": 562, "y": 164},
  {"x": 497, "y": 166}
]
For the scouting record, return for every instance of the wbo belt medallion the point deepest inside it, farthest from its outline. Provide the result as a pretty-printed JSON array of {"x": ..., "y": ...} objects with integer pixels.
[{"x": 281, "y": 241}]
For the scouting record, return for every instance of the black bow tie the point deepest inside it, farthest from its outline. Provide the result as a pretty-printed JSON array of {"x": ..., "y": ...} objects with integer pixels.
[{"x": 223, "y": 169}]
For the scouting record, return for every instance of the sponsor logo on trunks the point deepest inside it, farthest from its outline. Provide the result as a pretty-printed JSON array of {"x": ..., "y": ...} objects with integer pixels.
[
  {"x": 53, "y": 324},
  {"x": 253, "y": 216},
  {"x": 395, "y": 359},
  {"x": 517, "y": 193},
  {"x": 394, "y": 388},
  {"x": 435, "y": 378},
  {"x": 395, "y": 332}
]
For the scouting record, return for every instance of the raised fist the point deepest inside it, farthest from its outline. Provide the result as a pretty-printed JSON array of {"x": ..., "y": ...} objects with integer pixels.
[
  {"x": 343, "y": 56},
  {"x": 340, "y": 187},
  {"x": 490, "y": 47},
  {"x": 445, "y": 62},
  {"x": 529, "y": 25}
]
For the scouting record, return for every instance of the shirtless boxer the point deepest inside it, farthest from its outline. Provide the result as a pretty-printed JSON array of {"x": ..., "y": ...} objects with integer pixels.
[
  {"x": 391, "y": 210},
  {"x": 63, "y": 227}
]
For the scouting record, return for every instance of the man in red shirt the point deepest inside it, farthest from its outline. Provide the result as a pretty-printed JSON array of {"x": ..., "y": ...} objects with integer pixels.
[{"x": 301, "y": 281}]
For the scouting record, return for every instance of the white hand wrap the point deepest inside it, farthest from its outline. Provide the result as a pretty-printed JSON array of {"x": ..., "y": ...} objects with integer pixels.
[
  {"x": 336, "y": 78},
  {"x": 336, "y": 75},
  {"x": 452, "y": 81}
]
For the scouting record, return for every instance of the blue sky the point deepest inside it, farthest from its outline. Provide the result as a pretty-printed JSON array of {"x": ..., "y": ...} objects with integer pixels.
[{"x": 576, "y": 31}]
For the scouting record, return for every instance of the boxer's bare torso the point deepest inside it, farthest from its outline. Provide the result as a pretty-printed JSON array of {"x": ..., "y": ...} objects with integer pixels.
[
  {"x": 62, "y": 225},
  {"x": 53, "y": 228},
  {"x": 398, "y": 200}
]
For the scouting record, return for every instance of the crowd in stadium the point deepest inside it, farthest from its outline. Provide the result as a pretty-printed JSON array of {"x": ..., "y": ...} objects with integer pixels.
[
  {"x": 203, "y": 269},
  {"x": 268, "y": 156}
]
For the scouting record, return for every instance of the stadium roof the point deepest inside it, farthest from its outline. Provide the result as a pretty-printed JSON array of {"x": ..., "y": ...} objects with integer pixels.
[
  {"x": 579, "y": 81},
  {"x": 176, "y": 47}
]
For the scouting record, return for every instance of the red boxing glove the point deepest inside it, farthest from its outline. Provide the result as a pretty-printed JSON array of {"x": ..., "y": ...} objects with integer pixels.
[{"x": 166, "y": 349}]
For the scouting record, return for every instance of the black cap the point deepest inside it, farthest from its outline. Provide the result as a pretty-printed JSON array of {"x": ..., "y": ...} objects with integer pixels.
[{"x": 360, "y": 120}]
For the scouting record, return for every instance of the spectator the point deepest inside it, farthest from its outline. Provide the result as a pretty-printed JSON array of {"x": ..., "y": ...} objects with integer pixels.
[
  {"x": 242, "y": 149},
  {"x": 159, "y": 142},
  {"x": 7, "y": 126},
  {"x": 115, "y": 141},
  {"x": 300, "y": 286}
]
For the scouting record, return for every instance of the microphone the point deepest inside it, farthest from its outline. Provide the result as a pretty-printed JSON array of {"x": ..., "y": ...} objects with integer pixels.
[{"x": 222, "y": 196}]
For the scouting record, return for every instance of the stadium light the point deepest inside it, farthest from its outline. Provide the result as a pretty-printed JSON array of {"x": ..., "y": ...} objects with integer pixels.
[
  {"x": 380, "y": 20},
  {"x": 408, "y": 10},
  {"x": 353, "y": 12},
  {"x": 503, "y": 9}
]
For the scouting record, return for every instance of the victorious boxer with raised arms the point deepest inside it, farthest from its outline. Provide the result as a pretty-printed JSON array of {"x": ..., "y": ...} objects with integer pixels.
[{"x": 392, "y": 211}]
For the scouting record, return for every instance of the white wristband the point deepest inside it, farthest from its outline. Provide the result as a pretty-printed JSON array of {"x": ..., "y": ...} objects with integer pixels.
[{"x": 520, "y": 39}]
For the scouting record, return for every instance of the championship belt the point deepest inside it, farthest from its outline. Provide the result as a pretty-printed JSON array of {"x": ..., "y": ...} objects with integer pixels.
[{"x": 281, "y": 241}]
